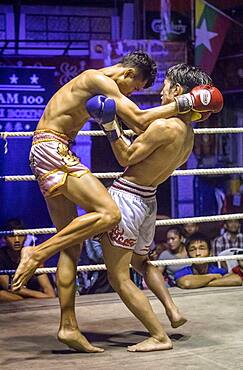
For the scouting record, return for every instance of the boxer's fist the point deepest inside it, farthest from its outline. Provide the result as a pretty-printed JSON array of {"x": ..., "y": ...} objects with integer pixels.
[
  {"x": 103, "y": 110},
  {"x": 207, "y": 98},
  {"x": 203, "y": 98},
  {"x": 200, "y": 116}
]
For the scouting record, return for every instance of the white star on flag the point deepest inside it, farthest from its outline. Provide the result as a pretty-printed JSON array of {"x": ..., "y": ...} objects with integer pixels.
[
  {"x": 13, "y": 79},
  {"x": 34, "y": 79},
  {"x": 203, "y": 36}
]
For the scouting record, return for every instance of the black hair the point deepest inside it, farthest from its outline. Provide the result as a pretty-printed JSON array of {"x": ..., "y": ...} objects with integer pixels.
[
  {"x": 176, "y": 229},
  {"x": 196, "y": 237},
  {"x": 236, "y": 219},
  {"x": 14, "y": 224},
  {"x": 144, "y": 63},
  {"x": 187, "y": 76}
]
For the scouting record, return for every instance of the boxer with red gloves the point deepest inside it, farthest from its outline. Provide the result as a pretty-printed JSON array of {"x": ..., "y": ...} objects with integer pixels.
[{"x": 152, "y": 157}]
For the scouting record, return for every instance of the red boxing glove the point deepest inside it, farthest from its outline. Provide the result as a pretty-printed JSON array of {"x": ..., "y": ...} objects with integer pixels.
[
  {"x": 203, "y": 98},
  {"x": 200, "y": 116}
]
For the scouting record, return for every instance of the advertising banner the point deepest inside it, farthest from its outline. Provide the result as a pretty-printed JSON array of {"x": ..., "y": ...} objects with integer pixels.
[
  {"x": 165, "y": 54},
  {"x": 24, "y": 93}
]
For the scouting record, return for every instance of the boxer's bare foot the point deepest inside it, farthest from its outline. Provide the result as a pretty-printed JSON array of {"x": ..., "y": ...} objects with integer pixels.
[
  {"x": 151, "y": 344},
  {"x": 75, "y": 340},
  {"x": 175, "y": 317},
  {"x": 26, "y": 268}
]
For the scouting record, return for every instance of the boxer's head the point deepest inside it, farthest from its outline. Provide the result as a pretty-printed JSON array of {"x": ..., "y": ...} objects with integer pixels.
[
  {"x": 181, "y": 79},
  {"x": 139, "y": 71}
]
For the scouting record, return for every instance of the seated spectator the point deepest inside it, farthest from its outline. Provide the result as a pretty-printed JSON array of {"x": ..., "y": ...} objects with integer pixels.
[
  {"x": 231, "y": 238},
  {"x": 206, "y": 274},
  {"x": 92, "y": 281},
  {"x": 37, "y": 287},
  {"x": 175, "y": 249},
  {"x": 189, "y": 229},
  {"x": 156, "y": 249},
  {"x": 7, "y": 296},
  {"x": 238, "y": 270}
]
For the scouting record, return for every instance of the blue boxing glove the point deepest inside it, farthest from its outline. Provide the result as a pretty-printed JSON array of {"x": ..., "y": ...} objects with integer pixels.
[{"x": 103, "y": 110}]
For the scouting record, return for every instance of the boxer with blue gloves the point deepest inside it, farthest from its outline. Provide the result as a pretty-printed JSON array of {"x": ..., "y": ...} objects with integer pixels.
[{"x": 65, "y": 182}]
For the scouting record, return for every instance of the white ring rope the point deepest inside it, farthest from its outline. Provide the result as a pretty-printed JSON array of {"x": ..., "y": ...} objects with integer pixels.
[
  {"x": 114, "y": 175},
  {"x": 169, "y": 222},
  {"x": 200, "y": 131},
  {"x": 179, "y": 261}
]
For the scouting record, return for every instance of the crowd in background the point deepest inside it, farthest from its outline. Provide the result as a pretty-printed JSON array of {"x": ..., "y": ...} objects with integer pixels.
[{"x": 176, "y": 242}]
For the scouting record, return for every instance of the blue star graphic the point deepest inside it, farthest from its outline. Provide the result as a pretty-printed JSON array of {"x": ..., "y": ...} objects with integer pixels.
[
  {"x": 13, "y": 79},
  {"x": 34, "y": 79}
]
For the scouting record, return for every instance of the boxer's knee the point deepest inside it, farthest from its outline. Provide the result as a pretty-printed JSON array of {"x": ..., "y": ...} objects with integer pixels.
[{"x": 111, "y": 216}]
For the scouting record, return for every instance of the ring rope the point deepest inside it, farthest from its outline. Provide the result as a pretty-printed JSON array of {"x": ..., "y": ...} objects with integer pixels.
[
  {"x": 200, "y": 131},
  {"x": 99, "y": 267},
  {"x": 114, "y": 175},
  {"x": 169, "y": 222}
]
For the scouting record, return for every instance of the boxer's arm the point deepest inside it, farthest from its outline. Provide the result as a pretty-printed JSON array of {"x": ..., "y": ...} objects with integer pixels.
[
  {"x": 159, "y": 133},
  {"x": 135, "y": 118}
]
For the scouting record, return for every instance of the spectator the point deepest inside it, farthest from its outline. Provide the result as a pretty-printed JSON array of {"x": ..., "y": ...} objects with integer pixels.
[
  {"x": 38, "y": 287},
  {"x": 206, "y": 274},
  {"x": 156, "y": 249},
  {"x": 231, "y": 238},
  {"x": 189, "y": 229},
  {"x": 7, "y": 296},
  {"x": 92, "y": 281},
  {"x": 175, "y": 249},
  {"x": 238, "y": 270}
]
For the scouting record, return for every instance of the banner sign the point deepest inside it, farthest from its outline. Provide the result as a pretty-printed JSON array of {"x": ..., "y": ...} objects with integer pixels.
[
  {"x": 24, "y": 93},
  {"x": 168, "y": 19},
  {"x": 165, "y": 54}
]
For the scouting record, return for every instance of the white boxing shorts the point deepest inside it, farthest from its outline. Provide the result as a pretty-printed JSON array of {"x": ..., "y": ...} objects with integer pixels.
[{"x": 138, "y": 207}]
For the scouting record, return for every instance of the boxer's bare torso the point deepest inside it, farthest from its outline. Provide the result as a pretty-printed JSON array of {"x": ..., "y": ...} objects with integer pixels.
[
  {"x": 66, "y": 112},
  {"x": 155, "y": 154}
]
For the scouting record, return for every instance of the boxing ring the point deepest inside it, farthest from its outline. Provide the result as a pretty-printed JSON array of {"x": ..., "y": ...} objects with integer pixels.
[{"x": 212, "y": 338}]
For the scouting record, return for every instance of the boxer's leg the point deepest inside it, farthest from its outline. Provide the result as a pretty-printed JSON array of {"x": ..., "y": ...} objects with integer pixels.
[
  {"x": 62, "y": 212},
  {"x": 155, "y": 282},
  {"x": 103, "y": 214},
  {"x": 117, "y": 261}
]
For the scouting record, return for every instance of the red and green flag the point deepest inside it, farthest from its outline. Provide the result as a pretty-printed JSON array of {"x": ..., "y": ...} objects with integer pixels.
[{"x": 211, "y": 26}]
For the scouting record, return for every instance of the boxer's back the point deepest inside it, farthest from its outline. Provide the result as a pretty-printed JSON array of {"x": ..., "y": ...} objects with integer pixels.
[{"x": 159, "y": 165}]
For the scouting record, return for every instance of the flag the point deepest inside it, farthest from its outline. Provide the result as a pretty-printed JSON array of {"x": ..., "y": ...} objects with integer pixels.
[{"x": 211, "y": 26}]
